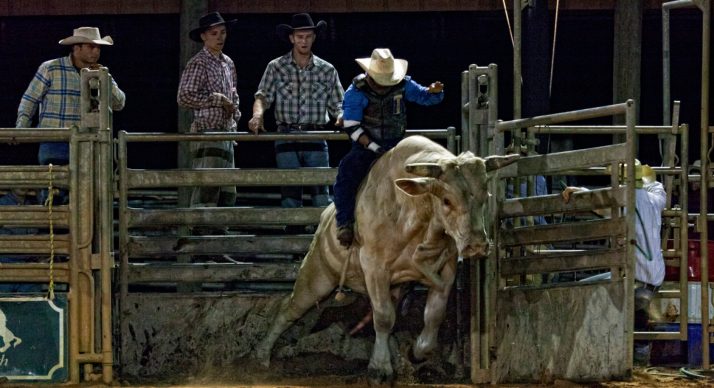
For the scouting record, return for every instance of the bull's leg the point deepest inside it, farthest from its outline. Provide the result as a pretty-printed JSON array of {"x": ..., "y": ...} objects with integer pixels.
[
  {"x": 313, "y": 283},
  {"x": 434, "y": 313},
  {"x": 424, "y": 261},
  {"x": 377, "y": 279}
]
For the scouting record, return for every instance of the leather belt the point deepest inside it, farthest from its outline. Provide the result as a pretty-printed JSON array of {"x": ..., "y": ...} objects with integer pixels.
[
  {"x": 647, "y": 286},
  {"x": 284, "y": 127}
]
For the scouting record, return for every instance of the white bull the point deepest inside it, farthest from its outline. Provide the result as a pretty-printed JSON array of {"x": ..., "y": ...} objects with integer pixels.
[{"x": 417, "y": 210}]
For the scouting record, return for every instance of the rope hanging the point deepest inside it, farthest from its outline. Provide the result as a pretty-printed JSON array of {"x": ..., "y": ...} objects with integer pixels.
[
  {"x": 552, "y": 51},
  {"x": 48, "y": 203}
]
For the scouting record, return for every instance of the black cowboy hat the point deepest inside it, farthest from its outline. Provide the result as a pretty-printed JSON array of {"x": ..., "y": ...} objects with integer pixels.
[
  {"x": 301, "y": 21},
  {"x": 207, "y": 21}
]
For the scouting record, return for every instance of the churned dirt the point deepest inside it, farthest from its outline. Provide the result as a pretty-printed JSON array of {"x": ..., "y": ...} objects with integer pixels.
[{"x": 642, "y": 378}]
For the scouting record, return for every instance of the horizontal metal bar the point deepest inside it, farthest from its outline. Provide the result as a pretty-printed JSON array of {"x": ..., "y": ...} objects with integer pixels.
[
  {"x": 554, "y": 203},
  {"x": 581, "y": 260},
  {"x": 34, "y": 216},
  {"x": 33, "y": 272},
  {"x": 228, "y": 176},
  {"x": 34, "y": 135},
  {"x": 271, "y": 136},
  {"x": 543, "y": 234},
  {"x": 224, "y": 216},
  {"x": 34, "y": 244},
  {"x": 194, "y": 273},
  {"x": 33, "y": 176},
  {"x": 678, "y": 4},
  {"x": 601, "y": 129},
  {"x": 582, "y": 114},
  {"x": 558, "y": 162},
  {"x": 144, "y": 246}
]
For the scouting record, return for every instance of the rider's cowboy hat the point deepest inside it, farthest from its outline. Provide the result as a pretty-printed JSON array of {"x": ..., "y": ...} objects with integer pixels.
[
  {"x": 383, "y": 68},
  {"x": 207, "y": 21},
  {"x": 300, "y": 21},
  {"x": 87, "y": 35}
]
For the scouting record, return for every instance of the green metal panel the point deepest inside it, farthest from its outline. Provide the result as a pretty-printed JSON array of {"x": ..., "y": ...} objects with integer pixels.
[{"x": 33, "y": 335}]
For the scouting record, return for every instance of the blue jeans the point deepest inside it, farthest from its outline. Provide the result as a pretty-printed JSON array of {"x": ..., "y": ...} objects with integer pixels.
[
  {"x": 353, "y": 168},
  {"x": 293, "y": 155}
]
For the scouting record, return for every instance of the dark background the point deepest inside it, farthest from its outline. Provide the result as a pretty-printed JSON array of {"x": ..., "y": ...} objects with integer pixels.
[{"x": 438, "y": 45}]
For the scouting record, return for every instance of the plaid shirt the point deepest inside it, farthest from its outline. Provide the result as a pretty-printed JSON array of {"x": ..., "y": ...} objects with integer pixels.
[
  {"x": 301, "y": 96},
  {"x": 203, "y": 78},
  {"x": 55, "y": 90}
]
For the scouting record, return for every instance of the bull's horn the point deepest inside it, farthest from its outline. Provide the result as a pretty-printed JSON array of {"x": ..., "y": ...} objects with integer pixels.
[
  {"x": 432, "y": 170},
  {"x": 495, "y": 162}
]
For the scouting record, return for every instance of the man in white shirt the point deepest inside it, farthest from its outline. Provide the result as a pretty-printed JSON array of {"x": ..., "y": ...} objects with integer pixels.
[{"x": 650, "y": 201}]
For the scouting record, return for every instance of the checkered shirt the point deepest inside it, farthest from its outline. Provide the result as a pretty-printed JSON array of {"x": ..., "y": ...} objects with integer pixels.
[
  {"x": 204, "y": 76},
  {"x": 301, "y": 96},
  {"x": 55, "y": 92}
]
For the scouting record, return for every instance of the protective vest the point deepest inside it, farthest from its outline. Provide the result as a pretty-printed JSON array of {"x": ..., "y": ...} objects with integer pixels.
[{"x": 385, "y": 117}]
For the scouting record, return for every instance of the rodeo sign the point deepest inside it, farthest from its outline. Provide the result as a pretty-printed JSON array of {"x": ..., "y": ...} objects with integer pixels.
[{"x": 32, "y": 332}]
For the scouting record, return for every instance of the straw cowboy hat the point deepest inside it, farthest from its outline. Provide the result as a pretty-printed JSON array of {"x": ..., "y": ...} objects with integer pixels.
[
  {"x": 87, "y": 35},
  {"x": 383, "y": 68},
  {"x": 207, "y": 21},
  {"x": 300, "y": 21}
]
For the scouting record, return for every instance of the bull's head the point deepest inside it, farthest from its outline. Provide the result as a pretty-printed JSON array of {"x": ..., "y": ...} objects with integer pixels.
[{"x": 459, "y": 190}]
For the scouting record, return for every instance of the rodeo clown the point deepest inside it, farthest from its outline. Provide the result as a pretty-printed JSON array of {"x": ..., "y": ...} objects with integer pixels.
[{"x": 375, "y": 118}]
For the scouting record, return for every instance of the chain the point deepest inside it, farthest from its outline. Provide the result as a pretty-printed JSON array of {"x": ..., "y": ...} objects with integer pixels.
[{"x": 48, "y": 203}]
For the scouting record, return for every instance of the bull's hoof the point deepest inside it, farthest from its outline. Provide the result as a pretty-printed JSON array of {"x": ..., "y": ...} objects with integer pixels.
[
  {"x": 379, "y": 377},
  {"x": 413, "y": 357},
  {"x": 262, "y": 356}
]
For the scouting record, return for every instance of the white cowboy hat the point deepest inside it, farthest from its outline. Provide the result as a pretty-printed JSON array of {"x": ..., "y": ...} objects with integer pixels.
[
  {"x": 87, "y": 35},
  {"x": 383, "y": 68}
]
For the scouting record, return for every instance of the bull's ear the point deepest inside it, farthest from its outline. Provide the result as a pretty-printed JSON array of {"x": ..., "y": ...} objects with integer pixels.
[
  {"x": 432, "y": 170},
  {"x": 415, "y": 186},
  {"x": 495, "y": 162}
]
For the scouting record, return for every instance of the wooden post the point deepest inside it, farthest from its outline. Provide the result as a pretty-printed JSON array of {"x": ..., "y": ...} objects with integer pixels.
[
  {"x": 627, "y": 58},
  {"x": 191, "y": 11}
]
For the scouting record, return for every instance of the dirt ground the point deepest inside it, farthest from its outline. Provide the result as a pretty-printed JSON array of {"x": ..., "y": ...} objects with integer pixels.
[{"x": 642, "y": 377}]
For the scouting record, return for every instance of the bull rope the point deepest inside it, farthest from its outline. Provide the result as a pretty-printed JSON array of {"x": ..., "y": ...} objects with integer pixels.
[{"x": 343, "y": 273}]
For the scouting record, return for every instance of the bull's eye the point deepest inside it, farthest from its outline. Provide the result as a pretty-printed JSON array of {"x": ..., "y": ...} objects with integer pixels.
[{"x": 447, "y": 202}]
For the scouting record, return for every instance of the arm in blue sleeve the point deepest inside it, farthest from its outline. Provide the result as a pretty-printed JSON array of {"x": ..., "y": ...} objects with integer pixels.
[
  {"x": 420, "y": 94},
  {"x": 353, "y": 105}
]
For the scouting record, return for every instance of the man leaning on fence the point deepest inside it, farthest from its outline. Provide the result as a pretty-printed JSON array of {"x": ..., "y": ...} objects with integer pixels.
[
  {"x": 208, "y": 88},
  {"x": 306, "y": 92},
  {"x": 650, "y": 201},
  {"x": 54, "y": 93}
]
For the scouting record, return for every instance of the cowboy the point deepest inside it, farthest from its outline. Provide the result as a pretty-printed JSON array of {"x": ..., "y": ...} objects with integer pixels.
[
  {"x": 54, "y": 92},
  {"x": 208, "y": 88},
  {"x": 375, "y": 118},
  {"x": 306, "y": 92}
]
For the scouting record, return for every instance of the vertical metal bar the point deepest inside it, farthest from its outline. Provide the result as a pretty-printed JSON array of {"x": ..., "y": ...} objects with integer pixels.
[
  {"x": 684, "y": 232},
  {"x": 123, "y": 226},
  {"x": 497, "y": 146},
  {"x": 630, "y": 112},
  {"x": 73, "y": 297},
  {"x": 106, "y": 233},
  {"x": 705, "y": 6},
  {"x": 666, "y": 119},
  {"x": 517, "y": 61},
  {"x": 465, "y": 108},
  {"x": 451, "y": 140},
  {"x": 470, "y": 143}
]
